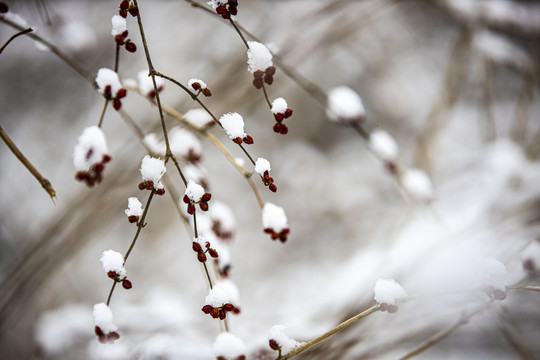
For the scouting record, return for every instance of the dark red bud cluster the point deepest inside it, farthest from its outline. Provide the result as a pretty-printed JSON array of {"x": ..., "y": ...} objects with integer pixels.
[
  {"x": 193, "y": 156},
  {"x": 217, "y": 228},
  {"x": 4, "y": 8},
  {"x": 391, "y": 308},
  {"x": 152, "y": 93},
  {"x": 269, "y": 181},
  {"x": 133, "y": 218},
  {"x": 266, "y": 76},
  {"x": 125, "y": 7},
  {"x": 120, "y": 94},
  {"x": 125, "y": 282},
  {"x": 108, "y": 338},
  {"x": 228, "y": 9},
  {"x": 247, "y": 140},
  {"x": 201, "y": 253},
  {"x": 220, "y": 312},
  {"x": 203, "y": 203},
  {"x": 279, "y": 126},
  {"x": 282, "y": 235},
  {"x": 149, "y": 185},
  {"x": 274, "y": 345},
  {"x": 94, "y": 175},
  {"x": 128, "y": 44},
  {"x": 197, "y": 87}
]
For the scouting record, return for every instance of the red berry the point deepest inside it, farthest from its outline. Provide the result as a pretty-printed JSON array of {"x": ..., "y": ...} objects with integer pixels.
[
  {"x": 258, "y": 83},
  {"x": 117, "y": 104},
  {"x": 112, "y": 274},
  {"x": 287, "y": 113},
  {"x": 238, "y": 140},
  {"x": 206, "y": 197},
  {"x": 206, "y": 92},
  {"x": 268, "y": 79},
  {"x": 133, "y": 10},
  {"x": 191, "y": 209},
  {"x": 133, "y": 218},
  {"x": 106, "y": 158},
  {"x": 277, "y": 127},
  {"x": 160, "y": 192},
  {"x": 279, "y": 117},
  {"x": 207, "y": 309},
  {"x": 142, "y": 185},
  {"x": 121, "y": 93},
  {"x": 186, "y": 199},
  {"x": 124, "y": 5},
  {"x": 4, "y": 8},
  {"x": 201, "y": 257},
  {"x": 98, "y": 167},
  {"x": 196, "y": 86},
  {"x": 248, "y": 140},
  {"x": 120, "y": 39},
  {"x": 284, "y": 129},
  {"x": 127, "y": 284},
  {"x": 130, "y": 46},
  {"x": 203, "y": 206},
  {"x": 270, "y": 71},
  {"x": 107, "y": 91},
  {"x": 274, "y": 344},
  {"x": 122, "y": 13},
  {"x": 272, "y": 187}
]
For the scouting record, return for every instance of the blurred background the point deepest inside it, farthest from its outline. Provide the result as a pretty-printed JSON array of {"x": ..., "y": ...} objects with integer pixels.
[{"x": 455, "y": 82}]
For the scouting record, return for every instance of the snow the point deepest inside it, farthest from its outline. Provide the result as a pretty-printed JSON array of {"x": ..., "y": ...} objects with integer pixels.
[
  {"x": 134, "y": 207},
  {"x": 279, "y": 106},
  {"x": 388, "y": 291},
  {"x": 201, "y": 83},
  {"x": 417, "y": 183},
  {"x": 223, "y": 292},
  {"x": 103, "y": 318},
  {"x": 152, "y": 169},
  {"x": 156, "y": 146},
  {"x": 277, "y": 333},
  {"x": 233, "y": 123},
  {"x": 259, "y": 57},
  {"x": 262, "y": 165},
  {"x": 113, "y": 261},
  {"x": 228, "y": 346},
  {"x": 182, "y": 142},
  {"x": 194, "y": 191},
  {"x": 221, "y": 213},
  {"x": 90, "y": 148},
  {"x": 345, "y": 106},
  {"x": 198, "y": 118},
  {"x": 490, "y": 272},
  {"x": 273, "y": 217},
  {"x": 107, "y": 77},
  {"x": 119, "y": 25},
  {"x": 145, "y": 83},
  {"x": 383, "y": 145}
]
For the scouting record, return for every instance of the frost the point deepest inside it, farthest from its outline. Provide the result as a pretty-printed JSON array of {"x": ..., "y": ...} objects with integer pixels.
[
  {"x": 90, "y": 148},
  {"x": 152, "y": 169},
  {"x": 259, "y": 57},
  {"x": 345, "y": 106},
  {"x": 146, "y": 85},
  {"x": 417, "y": 184},
  {"x": 107, "y": 77},
  {"x": 113, "y": 261},
  {"x": 119, "y": 25},
  {"x": 134, "y": 207},
  {"x": 388, "y": 291},
  {"x": 262, "y": 165},
  {"x": 103, "y": 318},
  {"x": 384, "y": 145},
  {"x": 233, "y": 123},
  {"x": 198, "y": 118},
  {"x": 286, "y": 343},
  {"x": 273, "y": 217},
  {"x": 183, "y": 143},
  {"x": 194, "y": 191},
  {"x": 223, "y": 292},
  {"x": 279, "y": 106},
  {"x": 228, "y": 347}
]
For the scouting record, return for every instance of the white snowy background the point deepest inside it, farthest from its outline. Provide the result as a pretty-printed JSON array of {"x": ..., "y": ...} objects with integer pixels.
[{"x": 454, "y": 82}]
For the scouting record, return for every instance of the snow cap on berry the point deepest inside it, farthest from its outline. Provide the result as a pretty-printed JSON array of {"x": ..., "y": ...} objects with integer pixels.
[
  {"x": 90, "y": 149},
  {"x": 490, "y": 272},
  {"x": 384, "y": 145},
  {"x": 286, "y": 343},
  {"x": 388, "y": 291},
  {"x": 155, "y": 146},
  {"x": 152, "y": 169},
  {"x": 184, "y": 144},
  {"x": 107, "y": 77},
  {"x": 194, "y": 191},
  {"x": 417, "y": 183},
  {"x": 223, "y": 292},
  {"x": 119, "y": 25},
  {"x": 103, "y": 318},
  {"x": 134, "y": 207},
  {"x": 202, "y": 84},
  {"x": 224, "y": 223},
  {"x": 228, "y": 347},
  {"x": 262, "y": 165},
  {"x": 259, "y": 57},
  {"x": 345, "y": 106},
  {"x": 146, "y": 84},
  {"x": 279, "y": 106},
  {"x": 273, "y": 217},
  {"x": 113, "y": 261},
  {"x": 198, "y": 118},
  {"x": 233, "y": 123}
]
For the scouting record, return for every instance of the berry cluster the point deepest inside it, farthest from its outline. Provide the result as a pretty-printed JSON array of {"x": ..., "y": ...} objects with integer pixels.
[
  {"x": 203, "y": 203},
  {"x": 128, "y": 44},
  {"x": 125, "y": 7},
  {"x": 279, "y": 126},
  {"x": 120, "y": 94},
  {"x": 108, "y": 338},
  {"x": 149, "y": 185},
  {"x": 247, "y": 140},
  {"x": 201, "y": 256},
  {"x": 228, "y": 9},
  {"x": 126, "y": 284},
  {"x": 200, "y": 88},
  {"x": 94, "y": 174},
  {"x": 220, "y": 312},
  {"x": 261, "y": 77},
  {"x": 269, "y": 181},
  {"x": 282, "y": 235}
]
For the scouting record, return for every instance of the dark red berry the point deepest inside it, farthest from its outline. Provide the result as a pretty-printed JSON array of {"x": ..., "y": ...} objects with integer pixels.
[
  {"x": 207, "y": 309},
  {"x": 201, "y": 257},
  {"x": 117, "y": 104},
  {"x": 206, "y": 197},
  {"x": 270, "y": 71},
  {"x": 274, "y": 344},
  {"x": 287, "y": 113},
  {"x": 191, "y": 209},
  {"x": 228, "y": 307},
  {"x": 122, "y": 13},
  {"x": 238, "y": 140},
  {"x": 196, "y": 247},
  {"x": 133, "y": 218},
  {"x": 98, "y": 167},
  {"x": 277, "y": 127},
  {"x": 142, "y": 185},
  {"x": 127, "y": 284},
  {"x": 112, "y": 274},
  {"x": 4, "y": 8},
  {"x": 258, "y": 83},
  {"x": 268, "y": 79},
  {"x": 248, "y": 140},
  {"x": 130, "y": 46},
  {"x": 213, "y": 253},
  {"x": 196, "y": 86},
  {"x": 206, "y": 92},
  {"x": 272, "y": 187},
  {"x": 80, "y": 175},
  {"x": 284, "y": 129},
  {"x": 107, "y": 91},
  {"x": 106, "y": 158},
  {"x": 268, "y": 230},
  {"x": 160, "y": 192},
  {"x": 203, "y": 206},
  {"x": 121, "y": 93},
  {"x": 124, "y": 5},
  {"x": 279, "y": 117},
  {"x": 186, "y": 199},
  {"x": 133, "y": 10}
]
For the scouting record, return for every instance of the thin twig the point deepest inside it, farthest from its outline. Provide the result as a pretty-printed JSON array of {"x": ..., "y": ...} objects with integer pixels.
[
  {"x": 46, "y": 184},
  {"x": 103, "y": 110},
  {"x": 327, "y": 334},
  {"x": 22, "y": 32}
]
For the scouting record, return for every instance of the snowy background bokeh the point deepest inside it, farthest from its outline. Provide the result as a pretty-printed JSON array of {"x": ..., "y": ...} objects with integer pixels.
[{"x": 454, "y": 82}]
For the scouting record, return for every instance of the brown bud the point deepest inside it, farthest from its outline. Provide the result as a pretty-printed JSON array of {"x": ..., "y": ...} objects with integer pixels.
[
  {"x": 287, "y": 113},
  {"x": 238, "y": 140},
  {"x": 274, "y": 345},
  {"x": 186, "y": 199},
  {"x": 4, "y": 8},
  {"x": 133, "y": 218},
  {"x": 106, "y": 158},
  {"x": 203, "y": 206},
  {"x": 258, "y": 74},
  {"x": 272, "y": 187},
  {"x": 191, "y": 209},
  {"x": 80, "y": 175},
  {"x": 258, "y": 83},
  {"x": 196, "y": 86},
  {"x": 213, "y": 253},
  {"x": 130, "y": 46},
  {"x": 112, "y": 274},
  {"x": 160, "y": 192},
  {"x": 206, "y": 92},
  {"x": 228, "y": 307},
  {"x": 206, "y": 197},
  {"x": 117, "y": 104},
  {"x": 98, "y": 167},
  {"x": 127, "y": 284},
  {"x": 248, "y": 140},
  {"x": 207, "y": 309},
  {"x": 271, "y": 70},
  {"x": 201, "y": 257},
  {"x": 268, "y": 79},
  {"x": 142, "y": 185},
  {"x": 268, "y": 230},
  {"x": 133, "y": 10},
  {"x": 196, "y": 247}
]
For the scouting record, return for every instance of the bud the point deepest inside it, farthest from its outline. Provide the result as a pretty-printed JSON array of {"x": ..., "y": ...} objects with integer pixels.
[{"x": 127, "y": 284}]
